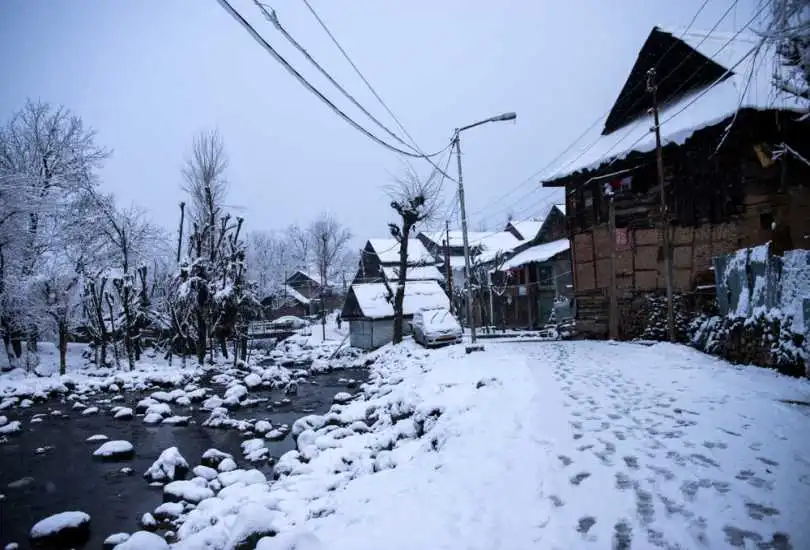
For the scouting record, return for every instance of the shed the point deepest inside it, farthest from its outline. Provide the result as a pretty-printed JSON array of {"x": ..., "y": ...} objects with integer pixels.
[{"x": 370, "y": 311}]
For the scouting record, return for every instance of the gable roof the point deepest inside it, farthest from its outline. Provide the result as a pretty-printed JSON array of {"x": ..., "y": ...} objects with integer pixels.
[
  {"x": 387, "y": 251},
  {"x": 708, "y": 99},
  {"x": 370, "y": 300},
  {"x": 455, "y": 236},
  {"x": 527, "y": 229},
  {"x": 538, "y": 253}
]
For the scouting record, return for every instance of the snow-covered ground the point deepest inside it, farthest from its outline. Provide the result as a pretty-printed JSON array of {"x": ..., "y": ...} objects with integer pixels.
[{"x": 536, "y": 445}]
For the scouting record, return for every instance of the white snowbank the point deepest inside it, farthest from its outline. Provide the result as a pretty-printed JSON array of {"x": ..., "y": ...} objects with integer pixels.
[{"x": 144, "y": 540}]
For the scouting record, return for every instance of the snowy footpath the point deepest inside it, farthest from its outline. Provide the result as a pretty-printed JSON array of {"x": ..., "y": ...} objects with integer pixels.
[{"x": 554, "y": 445}]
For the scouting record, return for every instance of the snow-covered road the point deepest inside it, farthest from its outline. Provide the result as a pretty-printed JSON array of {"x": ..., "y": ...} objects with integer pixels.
[{"x": 585, "y": 445}]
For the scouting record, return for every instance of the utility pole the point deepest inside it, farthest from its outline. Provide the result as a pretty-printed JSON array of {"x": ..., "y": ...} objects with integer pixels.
[
  {"x": 467, "y": 278},
  {"x": 652, "y": 87},
  {"x": 614, "y": 307},
  {"x": 448, "y": 269}
]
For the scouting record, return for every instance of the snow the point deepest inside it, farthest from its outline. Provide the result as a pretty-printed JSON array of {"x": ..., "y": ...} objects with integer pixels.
[
  {"x": 169, "y": 466},
  {"x": 144, "y": 540},
  {"x": 97, "y": 437},
  {"x": 290, "y": 291},
  {"x": 177, "y": 420},
  {"x": 115, "y": 539},
  {"x": 252, "y": 380},
  {"x": 539, "y": 253},
  {"x": 528, "y": 229},
  {"x": 188, "y": 490},
  {"x": 124, "y": 413},
  {"x": 254, "y": 450},
  {"x": 795, "y": 286},
  {"x": 715, "y": 106},
  {"x": 90, "y": 410},
  {"x": 342, "y": 397},
  {"x": 205, "y": 472},
  {"x": 493, "y": 244},
  {"x": 59, "y": 522},
  {"x": 372, "y": 298},
  {"x": 413, "y": 273},
  {"x": 11, "y": 428},
  {"x": 388, "y": 251},
  {"x": 113, "y": 448},
  {"x": 545, "y": 445},
  {"x": 227, "y": 465}
]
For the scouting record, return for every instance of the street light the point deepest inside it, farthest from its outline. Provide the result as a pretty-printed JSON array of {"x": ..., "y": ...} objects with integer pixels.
[{"x": 457, "y": 143}]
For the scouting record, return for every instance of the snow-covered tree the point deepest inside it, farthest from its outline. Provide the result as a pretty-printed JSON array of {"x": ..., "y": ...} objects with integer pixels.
[
  {"x": 47, "y": 158},
  {"x": 415, "y": 200},
  {"x": 789, "y": 30},
  {"x": 329, "y": 239}
]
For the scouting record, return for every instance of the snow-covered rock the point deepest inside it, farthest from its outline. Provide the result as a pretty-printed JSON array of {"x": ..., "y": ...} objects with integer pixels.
[
  {"x": 168, "y": 511},
  {"x": 276, "y": 434},
  {"x": 26, "y": 403},
  {"x": 162, "y": 396},
  {"x": 12, "y": 546},
  {"x": 213, "y": 457},
  {"x": 262, "y": 426},
  {"x": 196, "y": 395},
  {"x": 61, "y": 530},
  {"x": 252, "y": 380},
  {"x": 9, "y": 402},
  {"x": 144, "y": 404},
  {"x": 245, "y": 477},
  {"x": 144, "y": 540},
  {"x": 227, "y": 465},
  {"x": 12, "y": 427},
  {"x": 162, "y": 409},
  {"x": 97, "y": 437},
  {"x": 234, "y": 395},
  {"x": 254, "y": 450},
  {"x": 148, "y": 521},
  {"x": 183, "y": 401},
  {"x": 189, "y": 491},
  {"x": 177, "y": 420},
  {"x": 205, "y": 472},
  {"x": 114, "y": 540},
  {"x": 115, "y": 450},
  {"x": 3, "y": 420},
  {"x": 90, "y": 410},
  {"x": 213, "y": 402},
  {"x": 342, "y": 397},
  {"x": 169, "y": 466},
  {"x": 123, "y": 413},
  {"x": 152, "y": 418}
]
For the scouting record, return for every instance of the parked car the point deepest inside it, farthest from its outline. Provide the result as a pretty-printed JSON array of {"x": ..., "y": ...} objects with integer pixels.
[{"x": 434, "y": 327}]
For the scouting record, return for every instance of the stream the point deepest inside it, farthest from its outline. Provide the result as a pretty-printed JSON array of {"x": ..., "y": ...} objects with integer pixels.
[{"x": 49, "y": 468}]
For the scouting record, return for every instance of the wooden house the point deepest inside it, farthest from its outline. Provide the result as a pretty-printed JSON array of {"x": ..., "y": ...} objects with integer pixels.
[
  {"x": 370, "y": 311},
  {"x": 721, "y": 123}
]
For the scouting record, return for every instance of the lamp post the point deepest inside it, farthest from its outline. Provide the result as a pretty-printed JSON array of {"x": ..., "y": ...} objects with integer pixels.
[{"x": 457, "y": 143}]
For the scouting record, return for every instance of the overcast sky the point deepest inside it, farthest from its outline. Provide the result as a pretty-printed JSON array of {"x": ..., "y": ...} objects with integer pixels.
[{"x": 149, "y": 74}]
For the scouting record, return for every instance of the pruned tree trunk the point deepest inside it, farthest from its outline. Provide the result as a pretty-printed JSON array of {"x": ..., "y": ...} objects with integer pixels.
[
  {"x": 63, "y": 342},
  {"x": 399, "y": 295}
]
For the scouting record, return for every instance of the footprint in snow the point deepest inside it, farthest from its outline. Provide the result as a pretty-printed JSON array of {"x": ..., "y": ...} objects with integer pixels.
[
  {"x": 622, "y": 536},
  {"x": 760, "y": 511},
  {"x": 585, "y": 523},
  {"x": 767, "y": 461},
  {"x": 579, "y": 478},
  {"x": 565, "y": 460}
]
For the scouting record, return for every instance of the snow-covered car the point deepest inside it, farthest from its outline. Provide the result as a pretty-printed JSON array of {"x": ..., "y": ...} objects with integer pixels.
[
  {"x": 434, "y": 327},
  {"x": 289, "y": 322}
]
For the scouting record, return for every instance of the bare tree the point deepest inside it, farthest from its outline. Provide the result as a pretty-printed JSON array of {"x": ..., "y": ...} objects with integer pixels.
[
  {"x": 205, "y": 183},
  {"x": 789, "y": 31},
  {"x": 329, "y": 241},
  {"x": 415, "y": 200}
]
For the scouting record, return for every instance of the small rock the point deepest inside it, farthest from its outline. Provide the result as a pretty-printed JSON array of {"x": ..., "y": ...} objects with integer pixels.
[
  {"x": 12, "y": 546},
  {"x": 3, "y": 420},
  {"x": 123, "y": 413},
  {"x": 342, "y": 397},
  {"x": 152, "y": 418},
  {"x": 169, "y": 466},
  {"x": 20, "y": 483},
  {"x": 188, "y": 491},
  {"x": 97, "y": 437},
  {"x": 148, "y": 521},
  {"x": 115, "y": 450},
  {"x": 213, "y": 457},
  {"x": 127, "y": 471},
  {"x": 168, "y": 511},
  {"x": 43, "y": 450},
  {"x": 252, "y": 380},
  {"x": 113, "y": 540},
  {"x": 90, "y": 410},
  {"x": 12, "y": 427},
  {"x": 144, "y": 540},
  {"x": 205, "y": 472},
  {"x": 65, "y": 529},
  {"x": 262, "y": 426},
  {"x": 227, "y": 465}
]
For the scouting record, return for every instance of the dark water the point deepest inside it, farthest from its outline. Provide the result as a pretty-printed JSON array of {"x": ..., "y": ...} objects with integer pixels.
[{"x": 66, "y": 477}]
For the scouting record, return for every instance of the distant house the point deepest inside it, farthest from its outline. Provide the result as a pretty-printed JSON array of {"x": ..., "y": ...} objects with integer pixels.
[
  {"x": 379, "y": 261},
  {"x": 301, "y": 295},
  {"x": 370, "y": 311},
  {"x": 734, "y": 176},
  {"x": 286, "y": 301}
]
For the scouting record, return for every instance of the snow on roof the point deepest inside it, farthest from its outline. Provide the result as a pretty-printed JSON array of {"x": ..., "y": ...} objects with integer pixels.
[
  {"x": 414, "y": 273},
  {"x": 679, "y": 120},
  {"x": 456, "y": 237},
  {"x": 295, "y": 294},
  {"x": 528, "y": 229},
  {"x": 539, "y": 253},
  {"x": 560, "y": 207},
  {"x": 388, "y": 251},
  {"x": 493, "y": 243},
  {"x": 373, "y": 298}
]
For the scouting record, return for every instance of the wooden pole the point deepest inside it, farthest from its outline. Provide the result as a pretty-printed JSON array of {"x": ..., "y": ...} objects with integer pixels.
[
  {"x": 652, "y": 88},
  {"x": 614, "y": 308},
  {"x": 180, "y": 232}
]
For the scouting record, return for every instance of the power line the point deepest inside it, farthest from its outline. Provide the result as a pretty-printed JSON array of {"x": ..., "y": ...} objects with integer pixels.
[
  {"x": 600, "y": 118},
  {"x": 413, "y": 145},
  {"x": 255, "y": 34}
]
